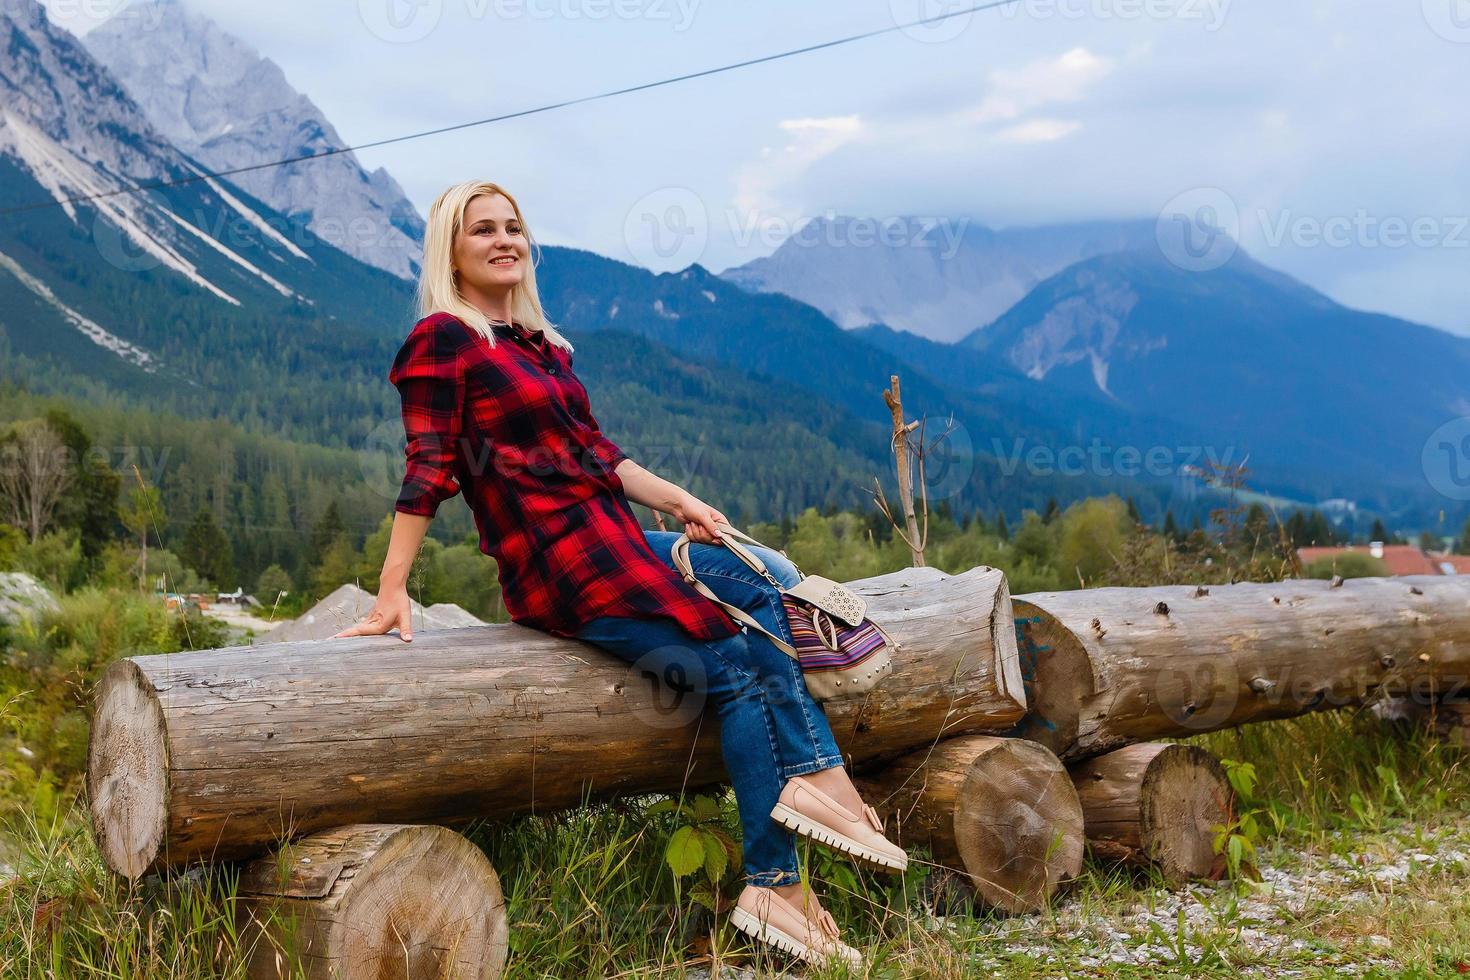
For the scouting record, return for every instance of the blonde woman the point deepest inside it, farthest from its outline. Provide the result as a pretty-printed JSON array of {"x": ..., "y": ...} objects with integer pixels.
[{"x": 491, "y": 408}]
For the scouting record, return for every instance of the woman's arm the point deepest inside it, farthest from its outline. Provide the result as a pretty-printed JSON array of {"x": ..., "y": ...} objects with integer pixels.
[
  {"x": 650, "y": 490},
  {"x": 393, "y": 607}
]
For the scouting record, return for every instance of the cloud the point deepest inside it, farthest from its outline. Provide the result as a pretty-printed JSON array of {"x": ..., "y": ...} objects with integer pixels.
[
  {"x": 809, "y": 140},
  {"x": 1066, "y": 79},
  {"x": 1038, "y": 131}
]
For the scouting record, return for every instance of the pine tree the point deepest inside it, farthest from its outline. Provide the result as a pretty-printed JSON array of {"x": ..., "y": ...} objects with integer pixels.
[
  {"x": 1052, "y": 510},
  {"x": 1171, "y": 527},
  {"x": 1002, "y": 531},
  {"x": 327, "y": 531},
  {"x": 1379, "y": 532},
  {"x": 1133, "y": 514},
  {"x": 207, "y": 550}
]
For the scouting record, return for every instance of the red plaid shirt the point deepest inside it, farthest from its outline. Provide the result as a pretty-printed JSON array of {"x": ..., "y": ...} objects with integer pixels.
[{"x": 511, "y": 426}]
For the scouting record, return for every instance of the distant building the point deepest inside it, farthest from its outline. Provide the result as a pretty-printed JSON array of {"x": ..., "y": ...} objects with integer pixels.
[{"x": 1401, "y": 559}]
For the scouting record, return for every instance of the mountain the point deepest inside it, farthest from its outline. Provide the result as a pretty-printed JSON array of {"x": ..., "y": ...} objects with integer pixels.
[
  {"x": 938, "y": 278},
  {"x": 195, "y": 295},
  {"x": 214, "y": 97},
  {"x": 1245, "y": 353},
  {"x": 199, "y": 300}
]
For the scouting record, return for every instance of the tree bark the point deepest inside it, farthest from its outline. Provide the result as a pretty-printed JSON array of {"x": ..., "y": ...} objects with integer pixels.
[
  {"x": 1156, "y": 803},
  {"x": 1109, "y": 667},
  {"x": 374, "y": 900},
  {"x": 220, "y": 754},
  {"x": 1003, "y": 810}
]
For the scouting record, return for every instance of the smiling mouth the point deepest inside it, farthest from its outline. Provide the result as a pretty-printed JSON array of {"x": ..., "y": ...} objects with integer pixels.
[{"x": 507, "y": 260}]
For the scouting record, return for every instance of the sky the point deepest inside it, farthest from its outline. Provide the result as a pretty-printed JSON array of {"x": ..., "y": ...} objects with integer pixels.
[{"x": 1333, "y": 138}]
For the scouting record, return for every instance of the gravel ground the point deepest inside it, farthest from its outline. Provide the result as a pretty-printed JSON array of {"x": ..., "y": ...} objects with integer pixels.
[{"x": 1286, "y": 925}]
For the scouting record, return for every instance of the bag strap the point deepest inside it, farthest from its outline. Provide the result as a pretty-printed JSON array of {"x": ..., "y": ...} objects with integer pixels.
[{"x": 680, "y": 554}]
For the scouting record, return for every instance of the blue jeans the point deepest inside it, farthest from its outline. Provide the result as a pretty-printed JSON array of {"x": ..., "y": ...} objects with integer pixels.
[{"x": 770, "y": 727}]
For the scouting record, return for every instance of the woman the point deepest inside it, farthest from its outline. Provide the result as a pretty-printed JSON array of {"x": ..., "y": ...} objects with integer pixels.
[{"x": 491, "y": 407}]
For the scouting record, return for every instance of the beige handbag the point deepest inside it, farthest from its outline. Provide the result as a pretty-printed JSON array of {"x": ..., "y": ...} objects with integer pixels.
[{"x": 841, "y": 651}]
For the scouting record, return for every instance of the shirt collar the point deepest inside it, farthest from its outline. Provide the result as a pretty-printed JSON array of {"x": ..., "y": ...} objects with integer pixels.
[{"x": 518, "y": 330}]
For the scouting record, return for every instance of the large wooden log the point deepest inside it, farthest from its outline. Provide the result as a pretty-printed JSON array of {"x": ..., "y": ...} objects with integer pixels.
[
  {"x": 1109, "y": 667},
  {"x": 221, "y": 753},
  {"x": 373, "y": 900},
  {"x": 1156, "y": 803},
  {"x": 1003, "y": 810}
]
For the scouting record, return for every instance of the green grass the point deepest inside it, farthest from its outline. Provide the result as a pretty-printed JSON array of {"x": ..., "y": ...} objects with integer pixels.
[{"x": 1339, "y": 801}]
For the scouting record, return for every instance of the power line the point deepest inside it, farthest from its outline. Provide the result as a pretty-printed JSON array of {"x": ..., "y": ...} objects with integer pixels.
[{"x": 159, "y": 185}]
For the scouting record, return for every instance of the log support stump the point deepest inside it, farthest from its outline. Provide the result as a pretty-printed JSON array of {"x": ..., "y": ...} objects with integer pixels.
[
  {"x": 1156, "y": 804},
  {"x": 1003, "y": 810},
  {"x": 369, "y": 901}
]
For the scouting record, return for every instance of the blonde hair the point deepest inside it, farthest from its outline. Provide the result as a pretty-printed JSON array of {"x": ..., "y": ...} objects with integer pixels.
[{"x": 438, "y": 291}]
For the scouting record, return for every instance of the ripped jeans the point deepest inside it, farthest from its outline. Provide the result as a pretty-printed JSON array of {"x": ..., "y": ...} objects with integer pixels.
[{"x": 770, "y": 727}]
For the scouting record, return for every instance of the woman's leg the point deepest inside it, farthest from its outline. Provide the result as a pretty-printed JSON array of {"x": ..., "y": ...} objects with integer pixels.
[
  {"x": 720, "y": 671},
  {"x": 804, "y": 740}
]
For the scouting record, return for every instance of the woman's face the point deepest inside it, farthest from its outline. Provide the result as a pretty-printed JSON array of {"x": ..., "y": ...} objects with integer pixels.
[{"x": 490, "y": 250}]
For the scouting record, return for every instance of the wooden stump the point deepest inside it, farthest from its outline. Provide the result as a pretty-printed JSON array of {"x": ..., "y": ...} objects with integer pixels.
[
  {"x": 374, "y": 901},
  {"x": 219, "y": 754},
  {"x": 1002, "y": 809},
  {"x": 1156, "y": 803},
  {"x": 1109, "y": 667}
]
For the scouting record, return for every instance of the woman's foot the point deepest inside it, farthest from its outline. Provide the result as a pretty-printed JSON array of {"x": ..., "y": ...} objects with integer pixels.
[
  {"x": 856, "y": 831},
  {"x": 791, "y": 919}
]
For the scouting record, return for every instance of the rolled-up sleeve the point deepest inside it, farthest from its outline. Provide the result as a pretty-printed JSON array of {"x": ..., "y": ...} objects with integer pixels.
[{"x": 428, "y": 375}]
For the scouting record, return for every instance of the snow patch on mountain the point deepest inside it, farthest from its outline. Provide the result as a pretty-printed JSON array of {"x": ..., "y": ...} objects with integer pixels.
[{"x": 90, "y": 329}]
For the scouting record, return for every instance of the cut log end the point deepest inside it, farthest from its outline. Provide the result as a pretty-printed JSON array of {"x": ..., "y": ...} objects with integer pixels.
[
  {"x": 1058, "y": 677},
  {"x": 1156, "y": 803},
  {"x": 127, "y": 770},
  {"x": 376, "y": 900},
  {"x": 1018, "y": 825},
  {"x": 1002, "y": 809}
]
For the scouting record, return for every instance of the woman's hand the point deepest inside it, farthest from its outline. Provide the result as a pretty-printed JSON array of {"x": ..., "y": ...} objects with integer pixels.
[
  {"x": 699, "y": 519},
  {"x": 392, "y": 609}
]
